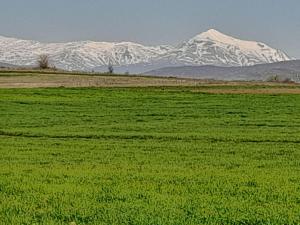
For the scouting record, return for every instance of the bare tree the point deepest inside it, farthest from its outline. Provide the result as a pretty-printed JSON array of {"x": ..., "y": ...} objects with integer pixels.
[
  {"x": 297, "y": 78},
  {"x": 110, "y": 68},
  {"x": 273, "y": 78},
  {"x": 43, "y": 61}
]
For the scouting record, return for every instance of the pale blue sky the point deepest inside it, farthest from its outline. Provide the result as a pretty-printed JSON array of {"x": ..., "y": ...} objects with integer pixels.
[{"x": 276, "y": 22}]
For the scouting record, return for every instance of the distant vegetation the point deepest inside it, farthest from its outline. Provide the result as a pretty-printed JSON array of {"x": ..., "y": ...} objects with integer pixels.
[
  {"x": 43, "y": 62},
  {"x": 110, "y": 69},
  {"x": 148, "y": 156},
  {"x": 278, "y": 79}
]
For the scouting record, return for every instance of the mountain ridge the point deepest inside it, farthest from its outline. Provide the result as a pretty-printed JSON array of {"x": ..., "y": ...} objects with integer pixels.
[
  {"x": 287, "y": 70},
  {"x": 208, "y": 48}
]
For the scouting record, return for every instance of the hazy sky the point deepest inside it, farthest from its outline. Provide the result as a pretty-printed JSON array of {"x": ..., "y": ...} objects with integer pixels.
[{"x": 276, "y": 22}]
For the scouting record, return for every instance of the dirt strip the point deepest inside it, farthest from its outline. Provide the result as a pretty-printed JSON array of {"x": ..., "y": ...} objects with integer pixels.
[
  {"x": 201, "y": 86},
  {"x": 57, "y": 80}
]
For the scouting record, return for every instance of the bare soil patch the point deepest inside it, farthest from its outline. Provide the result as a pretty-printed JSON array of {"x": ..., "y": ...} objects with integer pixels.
[
  {"x": 36, "y": 80},
  {"x": 57, "y": 80}
]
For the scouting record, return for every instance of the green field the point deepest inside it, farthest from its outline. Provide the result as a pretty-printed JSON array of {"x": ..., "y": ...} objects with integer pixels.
[{"x": 148, "y": 156}]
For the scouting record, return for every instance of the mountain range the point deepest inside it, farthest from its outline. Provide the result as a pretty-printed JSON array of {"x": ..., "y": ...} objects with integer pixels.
[{"x": 209, "y": 48}]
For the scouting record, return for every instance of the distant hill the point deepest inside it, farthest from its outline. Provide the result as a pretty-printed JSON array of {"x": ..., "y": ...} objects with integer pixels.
[
  {"x": 261, "y": 72},
  {"x": 6, "y": 65}
]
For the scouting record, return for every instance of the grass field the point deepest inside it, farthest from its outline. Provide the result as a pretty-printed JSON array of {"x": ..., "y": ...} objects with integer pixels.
[{"x": 160, "y": 156}]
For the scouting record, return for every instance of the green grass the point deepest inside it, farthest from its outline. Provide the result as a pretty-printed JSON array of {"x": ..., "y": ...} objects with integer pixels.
[{"x": 148, "y": 156}]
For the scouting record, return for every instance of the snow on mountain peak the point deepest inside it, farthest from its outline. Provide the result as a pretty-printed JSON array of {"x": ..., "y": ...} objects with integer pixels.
[
  {"x": 208, "y": 48},
  {"x": 213, "y": 34},
  {"x": 223, "y": 49},
  {"x": 216, "y": 36}
]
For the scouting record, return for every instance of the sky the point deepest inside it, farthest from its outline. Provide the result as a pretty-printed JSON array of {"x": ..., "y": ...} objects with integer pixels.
[{"x": 152, "y": 22}]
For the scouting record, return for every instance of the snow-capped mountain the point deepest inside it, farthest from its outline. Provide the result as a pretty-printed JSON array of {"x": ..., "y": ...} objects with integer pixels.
[
  {"x": 208, "y": 48},
  {"x": 83, "y": 55},
  {"x": 215, "y": 48}
]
